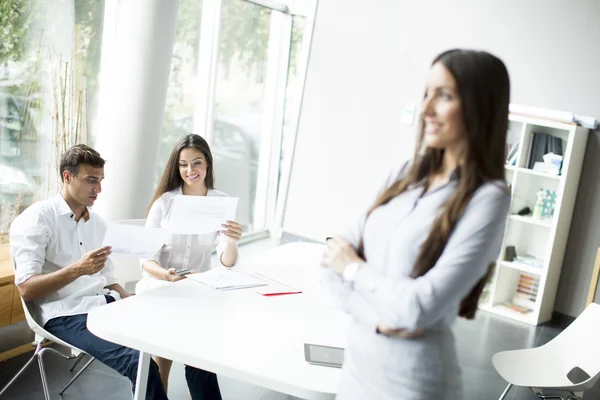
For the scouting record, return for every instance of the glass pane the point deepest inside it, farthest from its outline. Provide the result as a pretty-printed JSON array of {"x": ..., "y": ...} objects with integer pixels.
[
  {"x": 89, "y": 21},
  {"x": 29, "y": 61},
  {"x": 239, "y": 97},
  {"x": 19, "y": 111},
  {"x": 181, "y": 92},
  {"x": 293, "y": 91}
]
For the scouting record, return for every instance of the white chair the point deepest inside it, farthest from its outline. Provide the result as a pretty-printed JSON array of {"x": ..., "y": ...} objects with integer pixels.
[
  {"x": 570, "y": 362},
  {"x": 41, "y": 338}
]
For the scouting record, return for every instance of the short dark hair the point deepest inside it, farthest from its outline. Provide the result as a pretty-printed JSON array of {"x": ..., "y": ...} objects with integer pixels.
[{"x": 79, "y": 154}]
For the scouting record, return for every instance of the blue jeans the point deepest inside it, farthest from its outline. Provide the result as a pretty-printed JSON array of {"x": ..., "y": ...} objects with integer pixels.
[
  {"x": 73, "y": 330},
  {"x": 203, "y": 385}
]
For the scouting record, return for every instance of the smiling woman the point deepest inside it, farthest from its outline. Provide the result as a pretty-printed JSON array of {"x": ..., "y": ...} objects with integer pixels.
[
  {"x": 189, "y": 172},
  {"x": 450, "y": 203},
  {"x": 442, "y": 113}
]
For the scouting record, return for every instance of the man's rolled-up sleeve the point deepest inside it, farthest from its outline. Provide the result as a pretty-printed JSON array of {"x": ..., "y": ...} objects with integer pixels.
[{"x": 29, "y": 238}]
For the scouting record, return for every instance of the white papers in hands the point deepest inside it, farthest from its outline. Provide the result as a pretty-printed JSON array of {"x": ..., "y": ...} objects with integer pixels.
[
  {"x": 225, "y": 279},
  {"x": 135, "y": 240},
  {"x": 200, "y": 214}
]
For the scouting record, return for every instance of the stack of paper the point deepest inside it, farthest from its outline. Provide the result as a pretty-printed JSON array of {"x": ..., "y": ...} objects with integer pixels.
[{"x": 225, "y": 279}]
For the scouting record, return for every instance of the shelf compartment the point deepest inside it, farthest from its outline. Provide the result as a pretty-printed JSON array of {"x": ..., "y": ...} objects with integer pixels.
[
  {"x": 528, "y": 318},
  {"x": 522, "y": 267},
  {"x": 527, "y": 171},
  {"x": 547, "y": 223}
]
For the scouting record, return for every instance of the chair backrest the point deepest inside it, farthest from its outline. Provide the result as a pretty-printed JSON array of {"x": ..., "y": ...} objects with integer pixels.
[
  {"x": 578, "y": 344},
  {"x": 40, "y": 332}
]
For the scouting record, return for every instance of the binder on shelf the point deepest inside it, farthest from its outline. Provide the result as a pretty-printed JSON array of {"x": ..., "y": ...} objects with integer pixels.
[
  {"x": 512, "y": 153},
  {"x": 542, "y": 144}
]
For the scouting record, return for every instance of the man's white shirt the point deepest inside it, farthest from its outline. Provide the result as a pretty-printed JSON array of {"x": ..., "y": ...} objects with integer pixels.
[{"x": 46, "y": 238}]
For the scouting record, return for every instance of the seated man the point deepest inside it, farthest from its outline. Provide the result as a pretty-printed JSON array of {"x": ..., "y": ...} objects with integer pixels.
[{"x": 60, "y": 266}]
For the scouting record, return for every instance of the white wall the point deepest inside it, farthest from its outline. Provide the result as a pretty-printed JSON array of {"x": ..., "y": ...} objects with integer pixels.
[{"x": 369, "y": 61}]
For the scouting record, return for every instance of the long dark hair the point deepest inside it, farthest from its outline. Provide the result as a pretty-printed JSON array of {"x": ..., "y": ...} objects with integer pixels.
[
  {"x": 484, "y": 89},
  {"x": 171, "y": 178}
]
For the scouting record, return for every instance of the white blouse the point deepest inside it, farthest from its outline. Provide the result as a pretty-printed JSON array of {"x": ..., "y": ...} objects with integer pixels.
[{"x": 183, "y": 251}]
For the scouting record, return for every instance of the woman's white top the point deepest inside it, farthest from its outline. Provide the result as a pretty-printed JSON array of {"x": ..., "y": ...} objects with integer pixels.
[
  {"x": 183, "y": 251},
  {"x": 383, "y": 291}
]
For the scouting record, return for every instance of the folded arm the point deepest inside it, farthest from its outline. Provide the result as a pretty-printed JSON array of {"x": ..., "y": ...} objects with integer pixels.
[{"x": 413, "y": 304}]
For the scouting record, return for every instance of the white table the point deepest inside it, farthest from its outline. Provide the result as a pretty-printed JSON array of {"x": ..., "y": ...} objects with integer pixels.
[{"x": 239, "y": 334}]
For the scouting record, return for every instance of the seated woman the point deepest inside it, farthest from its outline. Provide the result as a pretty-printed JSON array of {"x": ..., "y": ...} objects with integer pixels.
[{"x": 189, "y": 171}]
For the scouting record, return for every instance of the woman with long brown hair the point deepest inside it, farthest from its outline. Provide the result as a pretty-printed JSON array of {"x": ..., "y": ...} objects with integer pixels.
[
  {"x": 420, "y": 255},
  {"x": 189, "y": 171}
]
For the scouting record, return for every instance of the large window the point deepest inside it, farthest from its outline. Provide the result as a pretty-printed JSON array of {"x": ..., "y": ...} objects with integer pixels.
[
  {"x": 236, "y": 80},
  {"x": 293, "y": 92},
  {"x": 89, "y": 18},
  {"x": 19, "y": 107},
  {"x": 47, "y": 93},
  {"x": 239, "y": 103},
  {"x": 182, "y": 91}
]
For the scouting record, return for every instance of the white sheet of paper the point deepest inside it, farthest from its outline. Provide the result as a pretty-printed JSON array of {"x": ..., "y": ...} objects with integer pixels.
[
  {"x": 135, "y": 240},
  {"x": 225, "y": 279},
  {"x": 201, "y": 214}
]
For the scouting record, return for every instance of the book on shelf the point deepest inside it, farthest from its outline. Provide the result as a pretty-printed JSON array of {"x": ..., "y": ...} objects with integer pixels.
[
  {"x": 529, "y": 260},
  {"x": 542, "y": 144},
  {"x": 512, "y": 153},
  {"x": 526, "y": 292}
]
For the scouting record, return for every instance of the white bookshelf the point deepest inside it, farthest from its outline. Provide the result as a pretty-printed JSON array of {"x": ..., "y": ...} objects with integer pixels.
[{"x": 544, "y": 239}]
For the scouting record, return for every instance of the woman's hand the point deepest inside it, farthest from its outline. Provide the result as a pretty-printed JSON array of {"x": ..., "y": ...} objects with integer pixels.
[
  {"x": 232, "y": 230},
  {"x": 338, "y": 254},
  {"x": 400, "y": 333},
  {"x": 171, "y": 275}
]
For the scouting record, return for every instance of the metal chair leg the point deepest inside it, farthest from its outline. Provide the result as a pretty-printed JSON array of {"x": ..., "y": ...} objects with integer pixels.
[
  {"x": 510, "y": 385},
  {"x": 76, "y": 375},
  {"x": 77, "y": 361},
  {"x": 39, "y": 352},
  {"x": 43, "y": 376},
  {"x": 27, "y": 364},
  {"x": 55, "y": 353},
  {"x": 543, "y": 396}
]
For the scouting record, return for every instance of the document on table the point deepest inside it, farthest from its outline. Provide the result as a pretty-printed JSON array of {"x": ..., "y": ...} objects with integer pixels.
[
  {"x": 135, "y": 240},
  {"x": 275, "y": 287},
  {"x": 201, "y": 214},
  {"x": 224, "y": 279}
]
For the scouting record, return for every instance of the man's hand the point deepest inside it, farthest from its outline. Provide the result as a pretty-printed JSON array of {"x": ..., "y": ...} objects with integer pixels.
[
  {"x": 91, "y": 262},
  {"x": 338, "y": 254},
  {"x": 119, "y": 289}
]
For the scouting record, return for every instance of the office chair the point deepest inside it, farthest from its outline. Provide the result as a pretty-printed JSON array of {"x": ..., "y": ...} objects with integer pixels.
[
  {"x": 570, "y": 362},
  {"x": 42, "y": 337}
]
